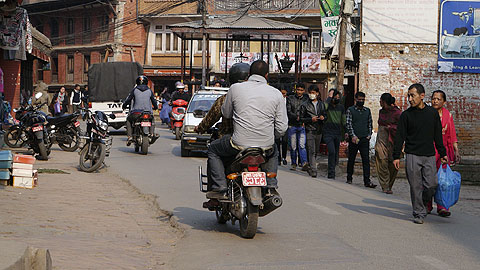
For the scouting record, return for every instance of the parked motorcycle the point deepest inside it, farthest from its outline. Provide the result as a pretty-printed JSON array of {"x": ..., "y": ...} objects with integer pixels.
[
  {"x": 248, "y": 197},
  {"x": 30, "y": 131},
  {"x": 65, "y": 131},
  {"x": 143, "y": 133},
  {"x": 176, "y": 117},
  {"x": 97, "y": 141}
]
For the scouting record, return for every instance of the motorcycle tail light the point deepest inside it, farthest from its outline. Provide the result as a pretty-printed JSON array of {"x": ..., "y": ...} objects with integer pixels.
[
  {"x": 252, "y": 168},
  {"x": 145, "y": 116},
  {"x": 90, "y": 105},
  {"x": 271, "y": 175},
  {"x": 253, "y": 160},
  {"x": 232, "y": 176}
]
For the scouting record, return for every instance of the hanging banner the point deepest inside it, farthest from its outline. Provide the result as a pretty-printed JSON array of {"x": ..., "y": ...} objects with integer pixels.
[
  {"x": 329, "y": 8},
  {"x": 459, "y": 37},
  {"x": 329, "y": 31}
]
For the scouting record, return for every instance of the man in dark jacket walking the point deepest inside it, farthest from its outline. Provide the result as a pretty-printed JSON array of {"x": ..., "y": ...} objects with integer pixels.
[
  {"x": 333, "y": 129},
  {"x": 359, "y": 128},
  {"x": 296, "y": 131},
  {"x": 421, "y": 130},
  {"x": 312, "y": 114}
]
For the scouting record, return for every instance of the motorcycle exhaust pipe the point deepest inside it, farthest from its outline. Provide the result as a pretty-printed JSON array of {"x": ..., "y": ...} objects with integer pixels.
[{"x": 270, "y": 204}]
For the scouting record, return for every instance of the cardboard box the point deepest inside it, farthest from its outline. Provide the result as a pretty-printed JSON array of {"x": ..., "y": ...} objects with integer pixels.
[
  {"x": 22, "y": 172},
  {"x": 23, "y": 182},
  {"x": 24, "y": 166},
  {"x": 24, "y": 159}
]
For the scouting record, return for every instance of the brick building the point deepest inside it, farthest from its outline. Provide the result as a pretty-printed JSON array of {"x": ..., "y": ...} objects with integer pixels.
[
  {"x": 84, "y": 32},
  {"x": 409, "y": 62}
]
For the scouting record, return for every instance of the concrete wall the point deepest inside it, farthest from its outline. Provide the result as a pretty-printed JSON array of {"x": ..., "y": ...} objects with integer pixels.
[{"x": 418, "y": 64}]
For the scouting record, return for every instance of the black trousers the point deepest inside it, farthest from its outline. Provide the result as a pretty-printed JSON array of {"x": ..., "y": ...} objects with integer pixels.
[
  {"x": 362, "y": 146},
  {"x": 282, "y": 146},
  {"x": 333, "y": 146}
]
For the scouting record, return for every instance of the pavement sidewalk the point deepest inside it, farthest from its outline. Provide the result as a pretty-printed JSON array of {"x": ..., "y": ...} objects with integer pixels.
[{"x": 86, "y": 221}]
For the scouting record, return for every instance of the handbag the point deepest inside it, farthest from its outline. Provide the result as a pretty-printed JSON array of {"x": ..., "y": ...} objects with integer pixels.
[{"x": 57, "y": 107}]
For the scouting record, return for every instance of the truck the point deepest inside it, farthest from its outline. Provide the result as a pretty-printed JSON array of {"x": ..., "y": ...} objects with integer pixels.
[{"x": 110, "y": 83}]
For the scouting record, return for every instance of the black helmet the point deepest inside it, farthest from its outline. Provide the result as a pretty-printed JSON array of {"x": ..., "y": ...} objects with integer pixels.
[
  {"x": 238, "y": 73},
  {"x": 142, "y": 80}
]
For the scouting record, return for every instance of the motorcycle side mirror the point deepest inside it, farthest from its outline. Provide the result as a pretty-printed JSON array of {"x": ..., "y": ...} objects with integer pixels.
[
  {"x": 38, "y": 95},
  {"x": 112, "y": 116}
]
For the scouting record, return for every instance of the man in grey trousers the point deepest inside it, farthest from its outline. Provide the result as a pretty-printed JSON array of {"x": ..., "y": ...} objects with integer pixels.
[{"x": 421, "y": 130}]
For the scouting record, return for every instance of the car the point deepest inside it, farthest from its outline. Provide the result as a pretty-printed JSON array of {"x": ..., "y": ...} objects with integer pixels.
[{"x": 198, "y": 107}]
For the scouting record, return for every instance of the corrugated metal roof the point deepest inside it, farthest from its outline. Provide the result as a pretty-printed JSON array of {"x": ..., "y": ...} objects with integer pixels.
[{"x": 241, "y": 22}]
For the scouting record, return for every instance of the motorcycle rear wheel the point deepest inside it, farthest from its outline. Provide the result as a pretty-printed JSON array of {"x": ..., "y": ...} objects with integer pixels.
[
  {"x": 98, "y": 155},
  {"x": 177, "y": 133},
  {"x": 145, "y": 143},
  {"x": 73, "y": 146},
  {"x": 13, "y": 138},
  {"x": 248, "y": 224},
  {"x": 43, "y": 151}
]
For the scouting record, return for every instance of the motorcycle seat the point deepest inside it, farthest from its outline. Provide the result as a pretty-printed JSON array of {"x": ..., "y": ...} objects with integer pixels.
[
  {"x": 255, "y": 155},
  {"x": 59, "y": 119}
]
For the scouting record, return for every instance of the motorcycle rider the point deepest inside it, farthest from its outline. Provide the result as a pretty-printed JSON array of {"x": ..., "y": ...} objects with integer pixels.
[
  {"x": 181, "y": 93},
  {"x": 259, "y": 114},
  {"x": 44, "y": 100},
  {"x": 140, "y": 99}
]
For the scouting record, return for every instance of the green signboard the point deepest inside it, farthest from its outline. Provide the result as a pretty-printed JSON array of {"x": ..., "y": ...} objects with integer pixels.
[{"x": 329, "y": 8}]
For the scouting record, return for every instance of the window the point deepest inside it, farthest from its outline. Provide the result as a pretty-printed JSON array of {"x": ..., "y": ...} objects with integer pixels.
[
  {"x": 315, "y": 44},
  {"x": 70, "y": 31},
  {"x": 158, "y": 41},
  {"x": 54, "y": 31},
  {"x": 104, "y": 27},
  {"x": 70, "y": 68},
  {"x": 86, "y": 66},
  {"x": 87, "y": 30},
  {"x": 199, "y": 45},
  {"x": 176, "y": 40},
  {"x": 167, "y": 42},
  {"x": 54, "y": 69},
  {"x": 158, "y": 27}
]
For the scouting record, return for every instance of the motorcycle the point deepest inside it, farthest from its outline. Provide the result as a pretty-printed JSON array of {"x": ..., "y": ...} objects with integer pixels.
[
  {"x": 30, "y": 131},
  {"x": 97, "y": 141},
  {"x": 143, "y": 131},
  {"x": 177, "y": 115},
  {"x": 65, "y": 131},
  {"x": 248, "y": 197}
]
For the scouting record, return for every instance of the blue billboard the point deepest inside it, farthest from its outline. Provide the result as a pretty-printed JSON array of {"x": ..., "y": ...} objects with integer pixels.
[{"x": 459, "y": 37}]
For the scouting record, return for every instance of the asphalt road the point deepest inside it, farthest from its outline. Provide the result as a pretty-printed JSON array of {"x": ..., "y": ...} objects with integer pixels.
[{"x": 322, "y": 224}]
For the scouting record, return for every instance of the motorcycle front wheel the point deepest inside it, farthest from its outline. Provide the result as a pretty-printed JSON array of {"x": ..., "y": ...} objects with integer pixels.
[
  {"x": 13, "y": 138},
  {"x": 177, "y": 133},
  {"x": 73, "y": 146},
  {"x": 91, "y": 161},
  {"x": 248, "y": 224}
]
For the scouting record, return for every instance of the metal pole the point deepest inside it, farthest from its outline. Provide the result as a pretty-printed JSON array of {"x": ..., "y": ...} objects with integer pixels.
[
  {"x": 300, "y": 49},
  {"x": 296, "y": 58},
  {"x": 191, "y": 58},
  {"x": 182, "y": 55},
  {"x": 208, "y": 59},
  {"x": 226, "y": 60},
  {"x": 261, "y": 47},
  {"x": 268, "y": 52},
  {"x": 204, "y": 42}
]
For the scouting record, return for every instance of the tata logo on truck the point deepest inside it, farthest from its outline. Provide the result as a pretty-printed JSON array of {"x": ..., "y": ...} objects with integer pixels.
[{"x": 114, "y": 105}]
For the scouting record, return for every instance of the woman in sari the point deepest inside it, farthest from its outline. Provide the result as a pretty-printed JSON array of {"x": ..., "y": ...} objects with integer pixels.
[
  {"x": 449, "y": 140},
  {"x": 387, "y": 127}
]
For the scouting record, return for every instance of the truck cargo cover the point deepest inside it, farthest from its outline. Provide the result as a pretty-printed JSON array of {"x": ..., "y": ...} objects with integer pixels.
[{"x": 112, "y": 81}]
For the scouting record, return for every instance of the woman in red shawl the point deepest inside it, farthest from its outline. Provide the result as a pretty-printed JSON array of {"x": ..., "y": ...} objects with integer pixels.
[
  {"x": 449, "y": 140},
  {"x": 387, "y": 127}
]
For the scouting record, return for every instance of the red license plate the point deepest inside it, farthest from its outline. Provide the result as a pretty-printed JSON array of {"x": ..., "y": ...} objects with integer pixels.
[
  {"x": 37, "y": 128},
  {"x": 77, "y": 124},
  {"x": 146, "y": 124},
  {"x": 254, "y": 179}
]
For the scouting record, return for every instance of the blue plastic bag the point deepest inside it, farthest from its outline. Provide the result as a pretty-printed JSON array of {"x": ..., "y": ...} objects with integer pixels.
[{"x": 448, "y": 189}]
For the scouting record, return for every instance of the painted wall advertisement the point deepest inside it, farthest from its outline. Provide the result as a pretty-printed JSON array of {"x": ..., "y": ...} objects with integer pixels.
[
  {"x": 459, "y": 37},
  {"x": 310, "y": 61}
]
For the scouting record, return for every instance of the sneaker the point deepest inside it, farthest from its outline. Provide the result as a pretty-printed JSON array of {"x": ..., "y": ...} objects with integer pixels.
[
  {"x": 418, "y": 220},
  {"x": 294, "y": 167},
  {"x": 305, "y": 167},
  {"x": 389, "y": 192},
  {"x": 349, "y": 181},
  {"x": 312, "y": 173},
  {"x": 129, "y": 141},
  {"x": 370, "y": 185},
  {"x": 284, "y": 161}
]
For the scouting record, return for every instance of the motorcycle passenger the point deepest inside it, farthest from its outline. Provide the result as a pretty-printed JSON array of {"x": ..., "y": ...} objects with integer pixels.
[
  {"x": 140, "y": 99},
  {"x": 181, "y": 93},
  {"x": 44, "y": 100},
  {"x": 259, "y": 114}
]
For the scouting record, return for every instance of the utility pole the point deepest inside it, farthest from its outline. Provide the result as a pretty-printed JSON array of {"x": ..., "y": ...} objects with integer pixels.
[
  {"x": 204, "y": 41},
  {"x": 341, "y": 49},
  {"x": 346, "y": 10}
]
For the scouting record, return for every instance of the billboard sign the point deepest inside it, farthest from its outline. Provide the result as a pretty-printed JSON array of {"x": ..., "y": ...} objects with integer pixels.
[{"x": 459, "y": 37}]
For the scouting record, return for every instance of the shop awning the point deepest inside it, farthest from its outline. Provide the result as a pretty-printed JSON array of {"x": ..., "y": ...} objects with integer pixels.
[{"x": 42, "y": 47}]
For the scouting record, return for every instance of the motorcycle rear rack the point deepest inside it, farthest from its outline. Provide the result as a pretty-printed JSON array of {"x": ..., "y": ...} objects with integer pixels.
[{"x": 202, "y": 178}]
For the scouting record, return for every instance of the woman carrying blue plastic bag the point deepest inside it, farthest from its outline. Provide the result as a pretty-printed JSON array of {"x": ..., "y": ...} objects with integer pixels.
[{"x": 450, "y": 141}]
